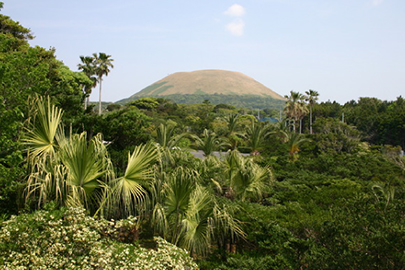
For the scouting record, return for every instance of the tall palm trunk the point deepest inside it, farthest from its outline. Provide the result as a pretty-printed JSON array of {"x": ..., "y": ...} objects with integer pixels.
[
  {"x": 85, "y": 97},
  {"x": 99, "y": 98},
  {"x": 300, "y": 125},
  {"x": 312, "y": 97},
  {"x": 310, "y": 119}
]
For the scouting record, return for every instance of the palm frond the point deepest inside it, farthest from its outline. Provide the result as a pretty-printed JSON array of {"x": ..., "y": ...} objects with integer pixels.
[
  {"x": 179, "y": 187},
  {"x": 44, "y": 128},
  {"x": 130, "y": 188},
  {"x": 86, "y": 163},
  {"x": 256, "y": 134},
  {"x": 43, "y": 134},
  {"x": 227, "y": 228},
  {"x": 159, "y": 220},
  {"x": 47, "y": 183},
  {"x": 208, "y": 143},
  {"x": 196, "y": 229},
  {"x": 245, "y": 178}
]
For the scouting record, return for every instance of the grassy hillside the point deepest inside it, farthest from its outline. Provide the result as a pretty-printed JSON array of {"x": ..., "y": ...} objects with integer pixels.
[{"x": 218, "y": 86}]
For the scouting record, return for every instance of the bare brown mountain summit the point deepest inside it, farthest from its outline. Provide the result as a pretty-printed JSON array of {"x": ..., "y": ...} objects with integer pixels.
[
  {"x": 216, "y": 86},
  {"x": 207, "y": 82}
]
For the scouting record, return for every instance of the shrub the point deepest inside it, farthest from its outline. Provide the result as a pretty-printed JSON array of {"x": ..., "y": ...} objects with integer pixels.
[{"x": 68, "y": 239}]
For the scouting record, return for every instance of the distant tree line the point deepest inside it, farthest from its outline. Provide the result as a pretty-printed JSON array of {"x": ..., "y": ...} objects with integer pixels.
[{"x": 241, "y": 101}]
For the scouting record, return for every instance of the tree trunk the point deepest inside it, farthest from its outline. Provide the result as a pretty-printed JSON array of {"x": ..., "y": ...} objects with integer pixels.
[
  {"x": 99, "y": 99},
  {"x": 310, "y": 119},
  {"x": 300, "y": 125},
  {"x": 85, "y": 97},
  {"x": 233, "y": 248}
]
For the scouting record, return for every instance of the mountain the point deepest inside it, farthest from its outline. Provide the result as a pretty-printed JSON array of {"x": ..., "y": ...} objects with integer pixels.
[{"x": 218, "y": 86}]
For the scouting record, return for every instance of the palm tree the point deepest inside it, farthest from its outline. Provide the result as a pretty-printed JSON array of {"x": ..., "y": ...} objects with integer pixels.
[
  {"x": 130, "y": 190},
  {"x": 302, "y": 110},
  {"x": 311, "y": 98},
  {"x": 186, "y": 214},
  {"x": 256, "y": 134},
  {"x": 208, "y": 143},
  {"x": 232, "y": 122},
  {"x": 291, "y": 107},
  {"x": 295, "y": 108},
  {"x": 65, "y": 169},
  {"x": 245, "y": 178},
  {"x": 166, "y": 142},
  {"x": 41, "y": 140},
  {"x": 165, "y": 135},
  {"x": 73, "y": 170},
  {"x": 233, "y": 136},
  {"x": 88, "y": 68},
  {"x": 293, "y": 141},
  {"x": 103, "y": 63},
  {"x": 87, "y": 169}
]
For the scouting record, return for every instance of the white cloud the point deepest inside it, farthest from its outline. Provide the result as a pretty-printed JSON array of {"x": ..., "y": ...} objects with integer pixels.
[
  {"x": 377, "y": 2},
  {"x": 237, "y": 10},
  {"x": 236, "y": 27}
]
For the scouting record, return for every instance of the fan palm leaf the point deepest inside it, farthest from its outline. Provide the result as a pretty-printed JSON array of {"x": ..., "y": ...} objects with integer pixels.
[
  {"x": 44, "y": 129},
  {"x": 42, "y": 137},
  {"x": 129, "y": 189},
  {"x": 85, "y": 162},
  {"x": 245, "y": 178},
  {"x": 179, "y": 187},
  {"x": 196, "y": 225}
]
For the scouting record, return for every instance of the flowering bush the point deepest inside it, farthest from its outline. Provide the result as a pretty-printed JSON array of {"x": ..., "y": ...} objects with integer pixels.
[{"x": 68, "y": 239}]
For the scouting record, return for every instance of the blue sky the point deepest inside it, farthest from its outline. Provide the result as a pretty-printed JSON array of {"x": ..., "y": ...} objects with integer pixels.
[{"x": 344, "y": 49}]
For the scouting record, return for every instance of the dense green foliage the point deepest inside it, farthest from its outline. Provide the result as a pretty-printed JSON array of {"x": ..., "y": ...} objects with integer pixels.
[
  {"x": 24, "y": 72},
  {"x": 242, "y": 101},
  {"x": 380, "y": 122},
  {"x": 325, "y": 211}
]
